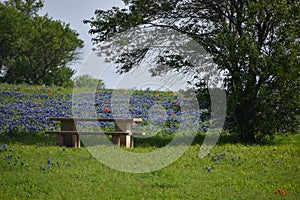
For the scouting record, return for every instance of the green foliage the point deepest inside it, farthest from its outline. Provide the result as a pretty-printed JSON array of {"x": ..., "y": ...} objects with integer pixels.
[
  {"x": 9, "y": 31},
  {"x": 35, "y": 49},
  {"x": 29, "y": 7},
  {"x": 254, "y": 43},
  {"x": 87, "y": 81}
]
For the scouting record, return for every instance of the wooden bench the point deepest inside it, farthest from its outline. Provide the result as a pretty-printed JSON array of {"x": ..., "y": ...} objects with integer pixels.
[{"x": 70, "y": 137}]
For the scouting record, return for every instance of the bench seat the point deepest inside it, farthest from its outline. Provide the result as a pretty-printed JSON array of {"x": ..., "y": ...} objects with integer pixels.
[{"x": 95, "y": 133}]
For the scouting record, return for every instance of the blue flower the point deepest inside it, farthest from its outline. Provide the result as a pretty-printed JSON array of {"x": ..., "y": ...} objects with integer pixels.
[
  {"x": 208, "y": 168},
  {"x": 223, "y": 155}
]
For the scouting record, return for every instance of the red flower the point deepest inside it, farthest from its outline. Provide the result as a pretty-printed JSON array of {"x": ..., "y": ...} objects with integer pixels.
[{"x": 106, "y": 109}]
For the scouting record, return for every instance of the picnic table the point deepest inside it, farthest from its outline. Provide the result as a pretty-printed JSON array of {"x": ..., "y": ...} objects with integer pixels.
[{"x": 70, "y": 137}]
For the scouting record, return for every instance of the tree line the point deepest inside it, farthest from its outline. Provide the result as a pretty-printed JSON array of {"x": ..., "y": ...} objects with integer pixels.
[{"x": 35, "y": 49}]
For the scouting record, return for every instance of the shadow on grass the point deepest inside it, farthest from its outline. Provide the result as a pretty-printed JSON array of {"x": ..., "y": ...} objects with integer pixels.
[
  {"x": 157, "y": 141},
  {"x": 162, "y": 140},
  {"x": 28, "y": 138}
]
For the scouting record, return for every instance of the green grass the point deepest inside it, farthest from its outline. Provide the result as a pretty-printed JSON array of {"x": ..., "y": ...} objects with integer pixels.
[
  {"x": 34, "y": 89},
  {"x": 40, "y": 89},
  {"x": 256, "y": 172}
]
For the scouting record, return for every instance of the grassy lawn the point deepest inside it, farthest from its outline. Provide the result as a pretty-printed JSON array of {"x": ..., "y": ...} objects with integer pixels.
[{"x": 34, "y": 168}]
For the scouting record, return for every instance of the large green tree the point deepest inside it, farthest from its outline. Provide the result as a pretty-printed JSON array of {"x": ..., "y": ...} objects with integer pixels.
[
  {"x": 36, "y": 49},
  {"x": 255, "y": 44}
]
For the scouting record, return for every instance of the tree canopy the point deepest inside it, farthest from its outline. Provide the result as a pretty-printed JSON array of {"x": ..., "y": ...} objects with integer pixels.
[
  {"x": 35, "y": 49},
  {"x": 255, "y": 44},
  {"x": 87, "y": 81},
  {"x": 28, "y": 7}
]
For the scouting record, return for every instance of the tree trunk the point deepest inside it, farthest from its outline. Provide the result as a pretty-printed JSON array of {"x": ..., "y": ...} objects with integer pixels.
[{"x": 245, "y": 117}]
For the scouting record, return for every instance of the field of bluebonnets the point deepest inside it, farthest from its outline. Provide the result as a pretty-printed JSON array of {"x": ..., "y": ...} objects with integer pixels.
[
  {"x": 32, "y": 166},
  {"x": 30, "y": 111}
]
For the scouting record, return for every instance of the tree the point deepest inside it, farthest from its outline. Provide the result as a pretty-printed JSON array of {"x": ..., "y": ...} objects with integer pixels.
[
  {"x": 254, "y": 43},
  {"x": 28, "y": 7},
  {"x": 9, "y": 31},
  {"x": 41, "y": 48},
  {"x": 87, "y": 81}
]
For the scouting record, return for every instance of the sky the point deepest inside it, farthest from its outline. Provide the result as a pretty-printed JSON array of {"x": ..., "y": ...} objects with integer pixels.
[{"x": 74, "y": 12}]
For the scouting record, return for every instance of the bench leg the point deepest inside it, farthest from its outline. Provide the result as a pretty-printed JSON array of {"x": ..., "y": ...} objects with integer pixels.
[
  {"x": 60, "y": 140},
  {"x": 123, "y": 140},
  {"x": 129, "y": 141},
  {"x": 126, "y": 140},
  {"x": 77, "y": 141},
  {"x": 69, "y": 140},
  {"x": 116, "y": 140}
]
